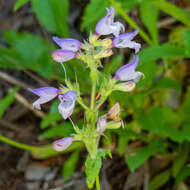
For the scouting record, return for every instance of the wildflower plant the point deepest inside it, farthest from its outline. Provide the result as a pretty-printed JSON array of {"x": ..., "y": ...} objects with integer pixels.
[{"x": 91, "y": 52}]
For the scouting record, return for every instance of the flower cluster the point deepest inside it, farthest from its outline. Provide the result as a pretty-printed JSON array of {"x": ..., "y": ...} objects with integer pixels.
[
  {"x": 46, "y": 94},
  {"x": 125, "y": 78},
  {"x": 70, "y": 47}
]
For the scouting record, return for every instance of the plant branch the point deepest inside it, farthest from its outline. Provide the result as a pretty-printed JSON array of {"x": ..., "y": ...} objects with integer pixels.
[{"x": 97, "y": 183}]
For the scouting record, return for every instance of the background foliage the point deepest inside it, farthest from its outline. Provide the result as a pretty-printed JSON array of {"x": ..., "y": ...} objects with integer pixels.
[{"x": 156, "y": 114}]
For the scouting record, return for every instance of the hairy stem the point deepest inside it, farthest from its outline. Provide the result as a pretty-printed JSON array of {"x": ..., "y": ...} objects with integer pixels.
[
  {"x": 97, "y": 183},
  {"x": 93, "y": 93},
  {"x": 80, "y": 101}
]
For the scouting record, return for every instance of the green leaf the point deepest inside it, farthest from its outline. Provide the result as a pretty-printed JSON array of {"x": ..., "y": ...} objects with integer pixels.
[
  {"x": 93, "y": 166},
  {"x": 174, "y": 11},
  {"x": 149, "y": 70},
  {"x": 92, "y": 169},
  {"x": 186, "y": 131},
  {"x": 167, "y": 83},
  {"x": 124, "y": 135},
  {"x": 159, "y": 180},
  {"x": 185, "y": 172},
  {"x": 7, "y": 101},
  {"x": 94, "y": 11},
  {"x": 23, "y": 48},
  {"x": 19, "y": 4},
  {"x": 50, "y": 119},
  {"x": 149, "y": 15},
  {"x": 53, "y": 15},
  {"x": 114, "y": 64},
  {"x": 69, "y": 165},
  {"x": 161, "y": 51},
  {"x": 9, "y": 59},
  {"x": 128, "y": 4},
  {"x": 159, "y": 125},
  {"x": 180, "y": 161},
  {"x": 187, "y": 41},
  {"x": 138, "y": 157},
  {"x": 62, "y": 130}
]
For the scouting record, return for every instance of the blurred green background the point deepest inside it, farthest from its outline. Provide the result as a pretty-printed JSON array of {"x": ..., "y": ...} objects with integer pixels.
[{"x": 156, "y": 115}]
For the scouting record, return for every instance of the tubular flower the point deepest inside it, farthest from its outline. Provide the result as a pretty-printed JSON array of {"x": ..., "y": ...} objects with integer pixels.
[
  {"x": 101, "y": 124},
  {"x": 67, "y": 103},
  {"x": 63, "y": 143},
  {"x": 63, "y": 55},
  {"x": 68, "y": 50},
  {"x": 107, "y": 25},
  {"x": 45, "y": 93},
  {"x": 127, "y": 72},
  {"x": 67, "y": 43},
  {"x": 125, "y": 41}
]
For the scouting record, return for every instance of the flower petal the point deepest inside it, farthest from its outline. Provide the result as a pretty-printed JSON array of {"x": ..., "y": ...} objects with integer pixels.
[
  {"x": 45, "y": 93},
  {"x": 67, "y": 43},
  {"x": 63, "y": 55},
  {"x": 107, "y": 25},
  {"x": 101, "y": 124},
  {"x": 127, "y": 72},
  {"x": 63, "y": 143},
  {"x": 67, "y": 104},
  {"x": 116, "y": 28},
  {"x": 124, "y": 41}
]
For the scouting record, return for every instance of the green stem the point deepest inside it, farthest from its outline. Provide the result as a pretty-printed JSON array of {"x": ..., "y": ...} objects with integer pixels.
[
  {"x": 18, "y": 145},
  {"x": 93, "y": 94},
  {"x": 131, "y": 22},
  {"x": 97, "y": 183},
  {"x": 80, "y": 101}
]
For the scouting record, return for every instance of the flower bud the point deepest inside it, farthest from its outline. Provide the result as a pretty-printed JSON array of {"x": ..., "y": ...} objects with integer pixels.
[
  {"x": 63, "y": 55},
  {"x": 63, "y": 143},
  {"x": 114, "y": 124},
  {"x": 93, "y": 38},
  {"x": 104, "y": 43},
  {"x": 125, "y": 87},
  {"x": 103, "y": 53},
  {"x": 101, "y": 125}
]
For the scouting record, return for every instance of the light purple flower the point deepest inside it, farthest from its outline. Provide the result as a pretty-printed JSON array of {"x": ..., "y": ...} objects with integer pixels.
[
  {"x": 107, "y": 25},
  {"x": 63, "y": 143},
  {"x": 67, "y": 43},
  {"x": 67, "y": 103},
  {"x": 63, "y": 55},
  {"x": 45, "y": 93},
  {"x": 124, "y": 41},
  {"x": 127, "y": 72},
  {"x": 101, "y": 124}
]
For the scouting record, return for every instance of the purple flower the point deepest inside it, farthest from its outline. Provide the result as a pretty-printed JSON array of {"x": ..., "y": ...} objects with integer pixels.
[
  {"x": 127, "y": 72},
  {"x": 67, "y": 103},
  {"x": 67, "y": 43},
  {"x": 63, "y": 143},
  {"x": 101, "y": 124},
  {"x": 124, "y": 41},
  {"x": 107, "y": 25},
  {"x": 46, "y": 94},
  {"x": 63, "y": 55}
]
